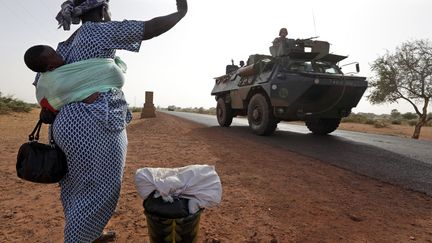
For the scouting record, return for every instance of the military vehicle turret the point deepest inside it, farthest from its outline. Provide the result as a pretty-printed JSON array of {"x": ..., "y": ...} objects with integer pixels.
[{"x": 300, "y": 81}]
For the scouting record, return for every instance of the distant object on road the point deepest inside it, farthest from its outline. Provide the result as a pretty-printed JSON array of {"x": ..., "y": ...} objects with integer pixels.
[
  {"x": 171, "y": 108},
  {"x": 302, "y": 82}
]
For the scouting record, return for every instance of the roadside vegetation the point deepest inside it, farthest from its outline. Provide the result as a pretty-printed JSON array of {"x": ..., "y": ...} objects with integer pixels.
[
  {"x": 199, "y": 110},
  {"x": 385, "y": 120},
  {"x": 10, "y": 104},
  {"x": 378, "y": 121},
  {"x": 135, "y": 109},
  {"x": 405, "y": 74}
]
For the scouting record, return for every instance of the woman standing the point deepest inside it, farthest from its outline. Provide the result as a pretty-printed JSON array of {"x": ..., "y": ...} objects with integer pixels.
[{"x": 92, "y": 133}]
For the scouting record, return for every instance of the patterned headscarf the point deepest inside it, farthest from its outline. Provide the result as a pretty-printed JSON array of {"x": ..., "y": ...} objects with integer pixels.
[{"x": 69, "y": 13}]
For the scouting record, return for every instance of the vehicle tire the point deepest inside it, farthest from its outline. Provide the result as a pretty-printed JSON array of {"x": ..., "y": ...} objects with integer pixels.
[
  {"x": 224, "y": 113},
  {"x": 321, "y": 126},
  {"x": 260, "y": 116}
]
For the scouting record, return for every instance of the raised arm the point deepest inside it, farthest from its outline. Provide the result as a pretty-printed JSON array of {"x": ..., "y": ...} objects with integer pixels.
[{"x": 160, "y": 25}]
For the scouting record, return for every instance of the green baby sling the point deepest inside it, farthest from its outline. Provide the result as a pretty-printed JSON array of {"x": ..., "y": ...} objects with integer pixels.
[{"x": 76, "y": 81}]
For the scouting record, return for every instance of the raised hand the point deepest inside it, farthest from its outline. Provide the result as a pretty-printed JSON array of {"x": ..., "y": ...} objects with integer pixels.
[
  {"x": 182, "y": 6},
  {"x": 162, "y": 24}
]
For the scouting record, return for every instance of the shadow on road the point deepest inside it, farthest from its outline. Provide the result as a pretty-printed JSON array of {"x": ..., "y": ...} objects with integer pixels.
[{"x": 360, "y": 158}]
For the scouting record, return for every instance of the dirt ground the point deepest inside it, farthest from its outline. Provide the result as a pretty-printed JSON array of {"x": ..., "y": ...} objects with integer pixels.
[{"x": 269, "y": 194}]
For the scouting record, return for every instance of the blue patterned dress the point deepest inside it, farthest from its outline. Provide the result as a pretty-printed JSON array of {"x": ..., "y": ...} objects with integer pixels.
[{"x": 93, "y": 136}]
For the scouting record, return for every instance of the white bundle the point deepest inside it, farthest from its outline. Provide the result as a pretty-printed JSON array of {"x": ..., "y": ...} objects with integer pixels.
[{"x": 198, "y": 183}]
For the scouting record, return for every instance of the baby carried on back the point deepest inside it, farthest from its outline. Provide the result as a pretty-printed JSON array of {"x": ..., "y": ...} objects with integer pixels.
[
  {"x": 67, "y": 83},
  {"x": 76, "y": 81}
]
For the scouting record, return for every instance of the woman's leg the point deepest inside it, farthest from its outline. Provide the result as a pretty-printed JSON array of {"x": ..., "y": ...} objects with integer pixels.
[{"x": 96, "y": 156}]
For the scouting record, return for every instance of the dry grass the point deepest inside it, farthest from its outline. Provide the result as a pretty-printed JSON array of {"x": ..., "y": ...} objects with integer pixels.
[{"x": 391, "y": 129}]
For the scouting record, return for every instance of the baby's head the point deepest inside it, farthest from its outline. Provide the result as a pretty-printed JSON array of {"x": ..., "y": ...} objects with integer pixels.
[{"x": 42, "y": 58}]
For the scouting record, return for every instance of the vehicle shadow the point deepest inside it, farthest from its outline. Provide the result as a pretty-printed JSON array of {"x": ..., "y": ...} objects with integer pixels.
[{"x": 364, "y": 159}]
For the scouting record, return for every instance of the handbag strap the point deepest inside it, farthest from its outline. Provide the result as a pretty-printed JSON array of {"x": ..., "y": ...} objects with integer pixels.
[
  {"x": 52, "y": 142},
  {"x": 35, "y": 134}
]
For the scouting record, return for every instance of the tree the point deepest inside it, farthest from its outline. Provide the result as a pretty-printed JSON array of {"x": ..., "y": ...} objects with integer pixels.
[
  {"x": 406, "y": 75},
  {"x": 395, "y": 114}
]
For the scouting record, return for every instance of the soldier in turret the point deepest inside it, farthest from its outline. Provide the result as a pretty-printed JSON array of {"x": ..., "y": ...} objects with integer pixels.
[
  {"x": 282, "y": 45},
  {"x": 283, "y": 33}
]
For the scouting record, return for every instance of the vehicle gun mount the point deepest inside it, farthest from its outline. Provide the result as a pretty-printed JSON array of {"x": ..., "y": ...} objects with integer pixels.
[{"x": 299, "y": 81}]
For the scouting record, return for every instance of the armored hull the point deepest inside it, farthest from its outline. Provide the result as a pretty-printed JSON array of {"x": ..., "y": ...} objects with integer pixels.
[{"x": 299, "y": 86}]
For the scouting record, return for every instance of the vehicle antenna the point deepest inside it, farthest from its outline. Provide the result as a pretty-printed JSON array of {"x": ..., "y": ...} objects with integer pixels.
[{"x": 313, "y": 17}]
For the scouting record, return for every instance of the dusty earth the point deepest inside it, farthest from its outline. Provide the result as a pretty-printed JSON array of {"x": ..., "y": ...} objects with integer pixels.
[{"x": 269, "y": 195}]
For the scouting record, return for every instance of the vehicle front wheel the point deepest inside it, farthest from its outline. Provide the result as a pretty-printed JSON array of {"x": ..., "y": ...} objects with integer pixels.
[
  {"x": 224, "y": 113},
  {"x": 260, "y": 116},
  {"x": 322, "y": 126}
]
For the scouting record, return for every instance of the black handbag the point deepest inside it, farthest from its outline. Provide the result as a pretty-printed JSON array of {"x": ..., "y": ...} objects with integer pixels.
[{"x": 40, "y": 163}]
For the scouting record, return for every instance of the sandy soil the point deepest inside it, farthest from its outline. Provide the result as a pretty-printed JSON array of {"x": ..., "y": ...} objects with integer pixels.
[{"x": 269, "y": 195}]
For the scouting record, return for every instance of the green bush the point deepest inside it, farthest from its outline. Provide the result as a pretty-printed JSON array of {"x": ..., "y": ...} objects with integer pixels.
[
  {"x": 9, "y": 104},
  {"x": 4, "y": 109},
  {"x": 370, "y": 121},
  {"x": 412, "y": 122},
  {"x": 135, "y": 109},
  {"x": 200, "y": 110},
  {"x": 409, "y": 116},
  {"x": 212, "y": 111},
  {"x": 395, "y": 114},
  {"x": 396, "y": 122},
  {"x": 380, "y": 124},
  {"x": 355, "y": 118}
]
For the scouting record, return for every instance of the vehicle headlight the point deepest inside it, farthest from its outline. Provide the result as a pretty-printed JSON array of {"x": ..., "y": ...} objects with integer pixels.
[{"x": 283, "y": 93}]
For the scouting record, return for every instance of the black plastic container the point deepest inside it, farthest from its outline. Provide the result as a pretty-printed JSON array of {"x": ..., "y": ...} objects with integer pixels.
[{"x": 171, "y": 222}]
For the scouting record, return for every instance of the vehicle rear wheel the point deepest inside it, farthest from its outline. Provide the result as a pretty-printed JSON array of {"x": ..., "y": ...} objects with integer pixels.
[
  {"x": 260, "y": 116},
  {"x": 224, "y": 113},
  {"x": 321, "y": 126}
]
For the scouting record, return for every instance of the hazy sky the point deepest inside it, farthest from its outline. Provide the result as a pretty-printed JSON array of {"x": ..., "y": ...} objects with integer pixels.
[{"x": 179, "y": 66}]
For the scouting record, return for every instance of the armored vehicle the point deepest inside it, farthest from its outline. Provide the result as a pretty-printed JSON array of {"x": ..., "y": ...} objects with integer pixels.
[{"x": 299, "y": 81}]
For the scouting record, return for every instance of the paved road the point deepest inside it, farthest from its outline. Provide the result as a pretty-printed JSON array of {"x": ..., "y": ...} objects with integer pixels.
[{"x": 404, "y": 162}]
